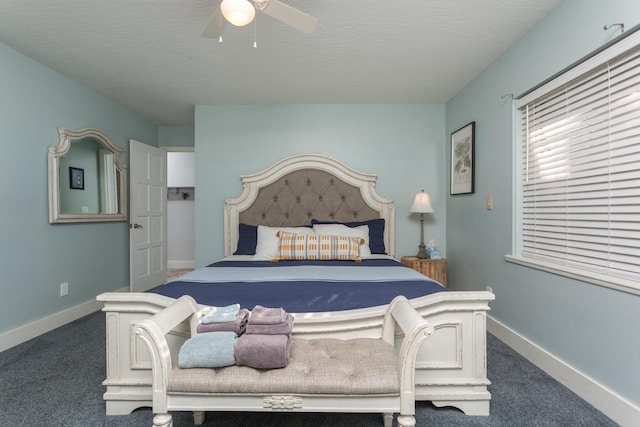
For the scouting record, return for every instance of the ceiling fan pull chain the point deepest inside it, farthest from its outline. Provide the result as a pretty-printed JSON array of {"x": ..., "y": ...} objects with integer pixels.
[
  {"x": 220, "y": 17},
  {"x": 255, "y": 33}
]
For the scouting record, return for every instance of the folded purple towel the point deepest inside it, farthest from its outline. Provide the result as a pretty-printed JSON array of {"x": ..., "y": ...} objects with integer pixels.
[
  {"x": 238, "y": 326},
  {"x": 282, "y": 328},
  {"x": 263, "y": 351},
  {"x": 267, "y": 316}
]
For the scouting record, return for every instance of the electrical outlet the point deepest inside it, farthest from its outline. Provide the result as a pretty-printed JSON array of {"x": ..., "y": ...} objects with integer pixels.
[{"x": 64, "y": 289}]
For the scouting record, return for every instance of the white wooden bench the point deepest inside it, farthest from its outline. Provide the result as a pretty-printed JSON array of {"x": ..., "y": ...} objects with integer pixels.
[{"x": 323, "y": 375}]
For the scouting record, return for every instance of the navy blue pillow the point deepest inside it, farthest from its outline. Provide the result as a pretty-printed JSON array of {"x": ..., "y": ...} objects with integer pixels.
[
  {"x": 376, "y": 232},
  {"x": 247, "y": 239}
]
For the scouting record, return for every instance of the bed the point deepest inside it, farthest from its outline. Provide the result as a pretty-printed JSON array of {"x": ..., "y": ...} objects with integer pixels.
[{"x": 315, "y": 192}]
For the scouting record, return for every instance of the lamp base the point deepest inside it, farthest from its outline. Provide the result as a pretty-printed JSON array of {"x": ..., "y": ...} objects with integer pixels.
[{"x": 422, "y": 254}]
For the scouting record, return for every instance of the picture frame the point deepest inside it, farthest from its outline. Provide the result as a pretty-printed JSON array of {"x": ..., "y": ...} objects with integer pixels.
[
  {"x": 76, "y": 178},
  {"x": 463, "y": 142}
]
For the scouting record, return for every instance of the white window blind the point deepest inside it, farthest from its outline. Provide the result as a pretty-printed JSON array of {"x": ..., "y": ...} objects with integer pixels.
[{"x": 580, "y": 188}]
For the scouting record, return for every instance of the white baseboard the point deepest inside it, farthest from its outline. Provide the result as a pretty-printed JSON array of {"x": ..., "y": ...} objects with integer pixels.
[
  {"x": 605, "y": 400},
  {"x": 181, "y": 264},
  {"x": 31, "y": 330}
]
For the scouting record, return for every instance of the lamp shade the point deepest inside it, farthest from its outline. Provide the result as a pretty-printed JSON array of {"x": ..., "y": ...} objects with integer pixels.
[
  {"x": 422, "y": 203},
  {"x": 238, "y": 12}
]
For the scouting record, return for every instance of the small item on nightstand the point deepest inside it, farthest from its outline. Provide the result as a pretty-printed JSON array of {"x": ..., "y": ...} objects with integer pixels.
[{"x": 432, "y": 252}]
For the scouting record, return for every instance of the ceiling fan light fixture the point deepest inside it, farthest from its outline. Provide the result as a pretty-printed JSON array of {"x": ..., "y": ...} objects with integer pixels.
[{"x": 238, "y": 12}]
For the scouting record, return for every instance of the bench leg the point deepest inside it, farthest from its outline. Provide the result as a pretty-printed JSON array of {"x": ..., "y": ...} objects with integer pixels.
[
  {"x": 406, "y": 421},
  {"x": 198, "y": 418},
  {"x": 387, "y": 419},
  {"x": 162, "y": 420}
]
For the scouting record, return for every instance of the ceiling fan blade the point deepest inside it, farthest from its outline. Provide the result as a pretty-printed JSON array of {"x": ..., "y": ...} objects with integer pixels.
[
  {"x": 216, "y": 25},
  {"x": 290, "y": 16}
]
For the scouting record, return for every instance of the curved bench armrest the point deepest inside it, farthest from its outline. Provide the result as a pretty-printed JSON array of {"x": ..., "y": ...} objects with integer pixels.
[
  {"x": 152, "y": 332},
  {"x": 401, "y": 315}
]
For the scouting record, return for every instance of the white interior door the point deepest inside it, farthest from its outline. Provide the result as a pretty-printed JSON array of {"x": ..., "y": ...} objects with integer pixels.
[{"x": 148, "y": 216}]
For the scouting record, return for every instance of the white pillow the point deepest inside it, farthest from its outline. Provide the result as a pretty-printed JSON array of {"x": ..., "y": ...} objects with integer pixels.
[
  {"x": 268, "y": 241},
  {"x": 361, "y": 231}
]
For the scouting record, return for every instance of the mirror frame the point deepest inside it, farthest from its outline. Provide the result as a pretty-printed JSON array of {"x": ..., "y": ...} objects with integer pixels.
[{"x": 67, "y": 137}]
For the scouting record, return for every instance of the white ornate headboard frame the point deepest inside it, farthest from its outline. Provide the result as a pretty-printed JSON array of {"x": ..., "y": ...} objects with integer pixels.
[{"x": 301, "y": 187}]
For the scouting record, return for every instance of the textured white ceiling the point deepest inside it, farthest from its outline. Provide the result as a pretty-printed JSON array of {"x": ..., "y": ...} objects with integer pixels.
[{"x": 149, "y": 55}]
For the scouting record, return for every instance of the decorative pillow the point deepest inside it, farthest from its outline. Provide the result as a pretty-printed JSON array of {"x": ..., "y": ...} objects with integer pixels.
[
  {"x": 342, "y": 230},
  {"x": 247, "y": 239},
  {"x": 295, "y": 246},
  {"x": 376, "y": 232},
  {"x": 267, "y": 243}
]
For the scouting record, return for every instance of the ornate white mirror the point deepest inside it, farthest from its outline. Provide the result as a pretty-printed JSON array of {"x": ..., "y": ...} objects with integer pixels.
[{"x": 87, "y": 181}]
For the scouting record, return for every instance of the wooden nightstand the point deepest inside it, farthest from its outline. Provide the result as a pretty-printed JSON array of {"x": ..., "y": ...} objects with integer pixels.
[{"x": 435, "y": 269}]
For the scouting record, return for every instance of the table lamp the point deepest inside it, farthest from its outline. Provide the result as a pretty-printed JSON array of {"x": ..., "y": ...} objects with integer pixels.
[{"x": 422, "y": 205}]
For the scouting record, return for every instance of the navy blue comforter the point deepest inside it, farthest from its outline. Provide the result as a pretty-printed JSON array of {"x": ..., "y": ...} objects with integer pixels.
[{"x": 301, "y": 296}]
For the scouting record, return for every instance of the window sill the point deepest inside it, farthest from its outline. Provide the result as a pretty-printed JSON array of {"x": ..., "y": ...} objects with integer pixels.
[{"x": 616, "y": 283}]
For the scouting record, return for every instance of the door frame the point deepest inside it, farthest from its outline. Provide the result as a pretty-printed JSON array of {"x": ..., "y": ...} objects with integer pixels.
[{"x": 180, "y": 150}]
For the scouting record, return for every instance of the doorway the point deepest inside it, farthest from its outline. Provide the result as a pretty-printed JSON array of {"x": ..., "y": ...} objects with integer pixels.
[{"x": 180, "y": 211}]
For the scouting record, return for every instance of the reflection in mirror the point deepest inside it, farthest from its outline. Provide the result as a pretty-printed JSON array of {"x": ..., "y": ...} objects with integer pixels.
[{"x": 87, "y": 181}]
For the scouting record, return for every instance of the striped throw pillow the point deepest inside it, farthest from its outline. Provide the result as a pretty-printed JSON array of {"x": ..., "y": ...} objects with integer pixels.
[{"x": 294, "y": 246}]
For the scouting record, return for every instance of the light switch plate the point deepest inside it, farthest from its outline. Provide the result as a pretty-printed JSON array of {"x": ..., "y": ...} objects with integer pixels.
[{"x": 64, "y": 289}]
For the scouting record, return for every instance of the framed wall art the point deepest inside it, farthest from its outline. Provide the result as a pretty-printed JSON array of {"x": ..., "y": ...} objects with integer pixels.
[
  {"x": 76, "y": 178},
  {"x": 463, "y": 143}
]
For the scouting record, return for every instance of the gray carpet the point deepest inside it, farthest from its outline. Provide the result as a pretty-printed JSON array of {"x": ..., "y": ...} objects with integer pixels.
[{"x": 55, "y": 380}]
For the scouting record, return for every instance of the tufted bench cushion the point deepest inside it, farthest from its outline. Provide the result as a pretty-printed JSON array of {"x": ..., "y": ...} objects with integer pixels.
[{"x": 319, "y": 366}]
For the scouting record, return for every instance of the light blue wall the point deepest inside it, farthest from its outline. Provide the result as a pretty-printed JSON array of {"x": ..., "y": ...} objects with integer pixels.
[
  {"x": 36, "y": 256},
  {"x": 594, "y": 329},
  {"x": 402, "y": 144},
  {"x": 175, "y": 136}
]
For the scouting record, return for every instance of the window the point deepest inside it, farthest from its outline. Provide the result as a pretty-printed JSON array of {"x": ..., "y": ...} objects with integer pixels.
[{"x": 578, "y": 193}]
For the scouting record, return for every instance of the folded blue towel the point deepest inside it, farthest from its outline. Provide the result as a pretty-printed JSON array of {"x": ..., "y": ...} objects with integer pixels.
[
  {"x": 208, "y": 350},
  {"x": 238, "y": 326},
  {"x": 222, "y": 314}
]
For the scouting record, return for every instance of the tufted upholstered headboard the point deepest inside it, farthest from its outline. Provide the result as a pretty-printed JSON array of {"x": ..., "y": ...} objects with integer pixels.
[{"x": 303, "y": 187}]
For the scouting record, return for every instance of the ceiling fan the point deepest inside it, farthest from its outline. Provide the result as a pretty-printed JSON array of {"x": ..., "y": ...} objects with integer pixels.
[{"x": 242, "y": 12}]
